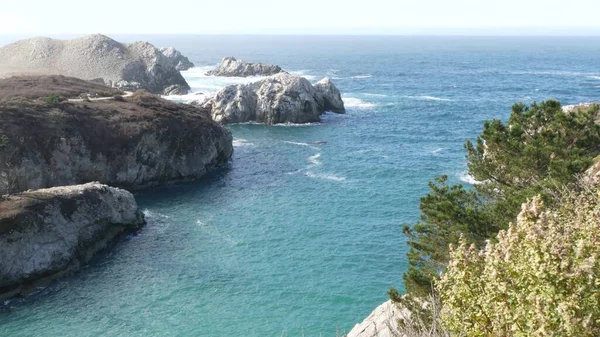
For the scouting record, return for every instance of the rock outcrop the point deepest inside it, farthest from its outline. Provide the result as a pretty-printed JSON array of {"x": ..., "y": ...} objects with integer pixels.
[
  {"x": 133, "y": 142},
  {"x": 176, "y": 59},
  {"x": 47, "y": 233},
  {"x": 282, "y": 98},
  {"x": 382, "y": 322},
  {"x": 231, "y": 67},
  {"x": 96, "y": 57}
]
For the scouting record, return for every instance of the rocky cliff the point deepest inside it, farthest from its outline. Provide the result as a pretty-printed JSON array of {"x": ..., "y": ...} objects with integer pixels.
[
  {"x": 126, "y": 66},
  {"x": 133, "y": 142},
  {"x": 382, "y": 322},
  {"x": 282, "y": 98},
  {"x": 47, "y": 233},
  {"x": 232, "y": 67}
]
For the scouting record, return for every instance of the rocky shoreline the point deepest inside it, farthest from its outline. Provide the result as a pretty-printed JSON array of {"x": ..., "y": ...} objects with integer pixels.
[{"x": 48, "y": 233}]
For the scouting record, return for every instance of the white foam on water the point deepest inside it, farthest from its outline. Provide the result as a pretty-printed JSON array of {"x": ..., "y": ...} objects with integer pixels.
[
  {"x": 153, "y": 215},
  {"x": 200, "y": 82},
  {"x": 295, "y": 125},
  {"x": 376, "y": 95},
  {"x": 429, "y": 98},
  {"x": 301, "y": 144},
  {"x": 324, "y": 176},
  {"x": 241, "y": 143},
  {"x": 357, "y": 103},
  {"x": 304, "y": 73},
  {"x": 362, "y": 76},
  {"x": 469, "y": 179},
  {"x": 438, "y": 150},
  {"x": 594, "y": 77},
  {"x": 314, "y": 160}
]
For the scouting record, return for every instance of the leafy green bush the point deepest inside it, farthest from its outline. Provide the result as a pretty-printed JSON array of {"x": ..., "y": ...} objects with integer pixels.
[
  {"x": 539, "y": 149},
  {"x": 539, "y": 279},
  {"x": 53, "y": 99}
]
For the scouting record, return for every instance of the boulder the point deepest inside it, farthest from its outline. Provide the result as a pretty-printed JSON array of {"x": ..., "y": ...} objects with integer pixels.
[
  {"x": 282, "y": 98},
  {"x": 136, "y": 66},
  {"x": 382, "y": 322},
  {"x": 47, "y": 233},
  {"x": 231, "y": 67},
  {"x": 131, "y": 142}
]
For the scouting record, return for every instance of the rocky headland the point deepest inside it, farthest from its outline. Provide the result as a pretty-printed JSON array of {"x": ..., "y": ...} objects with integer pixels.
[
  {"x": 134, "y": 66},
  {"x": 48, "y": 233},
  {"x": 282, "y": 98},
  {"x": 130, "y": 142},
  {"x": 231, "y": 67}
]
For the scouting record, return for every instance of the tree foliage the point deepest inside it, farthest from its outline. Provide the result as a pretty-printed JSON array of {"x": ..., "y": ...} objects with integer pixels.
[
  {"x": 539, "y": 279},
  {"x": 539, "y": 149}
]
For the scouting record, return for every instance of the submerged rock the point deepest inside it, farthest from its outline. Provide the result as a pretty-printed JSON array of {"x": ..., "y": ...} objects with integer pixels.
[
  {"x": 232, "y": 67},
  {"x": 282, "y": 98},
  {"x": 47, "y": 233},
  {"x": 132, "y": 142},
  {"x": 135, "y": 66}
]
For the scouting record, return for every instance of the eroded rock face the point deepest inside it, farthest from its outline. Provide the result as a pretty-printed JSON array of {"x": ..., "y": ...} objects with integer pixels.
[
  {"x": 176, "y": 59},
  {"x": 47, "y": 233},
  {"x": 282, "y": 98},
  {"x": 134, "y": 143},
  {"x": 382, "y": 322},
  {"x": 139, "y": 65},
  {"x": 232, "y": 67}
]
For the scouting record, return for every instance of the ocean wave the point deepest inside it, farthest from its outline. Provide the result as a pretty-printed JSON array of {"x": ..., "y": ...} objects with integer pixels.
[
  {"x": 303, "y": 73},
  {"x": 555, "y": 73},
  {"x": 200, "y": 82},
  {"x": 594, "y": 77},
  {"x": 314, "y": 160},
  {"x": 469, "y": 179},
  {"x": 376, "y": 95},
  {"x": 438, "y": 150},
  {"x": 324, "y": 176},
  {"x": 362, "y": 76},
  {"x": 352, "y": 102},
  {"x": 429, "y": 98},
  {"x": 301, "y": 144},
  {"x": 241, "y": 143}
]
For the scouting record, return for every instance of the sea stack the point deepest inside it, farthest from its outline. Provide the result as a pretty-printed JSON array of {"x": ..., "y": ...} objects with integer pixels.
[
  {"x": 231, "y": 67},
  {"x": 134, "y": 66},
  {"x": 282, "y": 98},
  {"x": 48, "y": 233}
]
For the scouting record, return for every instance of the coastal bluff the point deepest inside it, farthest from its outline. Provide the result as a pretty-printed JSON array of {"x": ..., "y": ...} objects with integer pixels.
[
  {"x": 51, "y": 137},
  {"x": 138, "y": 65},
  {"x": 48, "y": 233},
  {"x": 281, "y": 98}
]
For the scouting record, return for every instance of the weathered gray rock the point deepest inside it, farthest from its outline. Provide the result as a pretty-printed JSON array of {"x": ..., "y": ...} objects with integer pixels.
[
  {"x": 231, "y": 67},
  {"x": 176, "y": 59},
  {"x": 47, "y": 233},
  {"x": 282, "y": 98},
  {"x": 332, "y": 99},
  {"x": 134, "y": 142},
  {"x": 140, "y": 64},
  {"x": 382, "y": 322}
]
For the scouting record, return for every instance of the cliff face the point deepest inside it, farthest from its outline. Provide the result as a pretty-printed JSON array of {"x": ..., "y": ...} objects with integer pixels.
[
  {"x": 282, "y": 98},
  {"x": 47, "y": 233},
  {"x": 132, "y": 142},
  {"x": 126, "y": 66}
]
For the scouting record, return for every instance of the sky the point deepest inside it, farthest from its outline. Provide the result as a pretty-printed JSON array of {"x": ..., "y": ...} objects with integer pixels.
[{"x": 405, "y": 17}]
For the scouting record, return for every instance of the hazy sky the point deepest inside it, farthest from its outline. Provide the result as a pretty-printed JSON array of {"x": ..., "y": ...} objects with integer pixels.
[{"x": 44, "y": 17}]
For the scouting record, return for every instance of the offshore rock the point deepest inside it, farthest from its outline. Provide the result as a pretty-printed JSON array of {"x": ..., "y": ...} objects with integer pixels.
[
  {"x": 47, "y": 233},
  {"x": 232, "y": 67},
  {"x": 282, "y": 98},
  {"x": 140, "y": 65}
]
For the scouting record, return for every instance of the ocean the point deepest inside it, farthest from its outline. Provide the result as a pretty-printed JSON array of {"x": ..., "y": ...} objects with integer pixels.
[{"x": 301, "y": 234}]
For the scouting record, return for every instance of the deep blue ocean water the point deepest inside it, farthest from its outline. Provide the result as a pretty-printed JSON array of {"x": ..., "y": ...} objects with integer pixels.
[{"x": 297, "y": 237}]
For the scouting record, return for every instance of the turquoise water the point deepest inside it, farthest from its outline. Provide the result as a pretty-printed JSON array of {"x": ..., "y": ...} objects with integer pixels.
[{"x": 301, "y": 234}]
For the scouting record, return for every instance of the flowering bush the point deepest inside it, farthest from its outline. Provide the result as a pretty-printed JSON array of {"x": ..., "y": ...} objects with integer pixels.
[{"x": 539, "y": 279}]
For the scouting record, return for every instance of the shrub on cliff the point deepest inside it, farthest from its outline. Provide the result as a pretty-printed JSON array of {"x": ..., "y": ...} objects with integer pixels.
[
  {"x": 539, "y": 279},
  {"x": 538, "y": 149}
]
